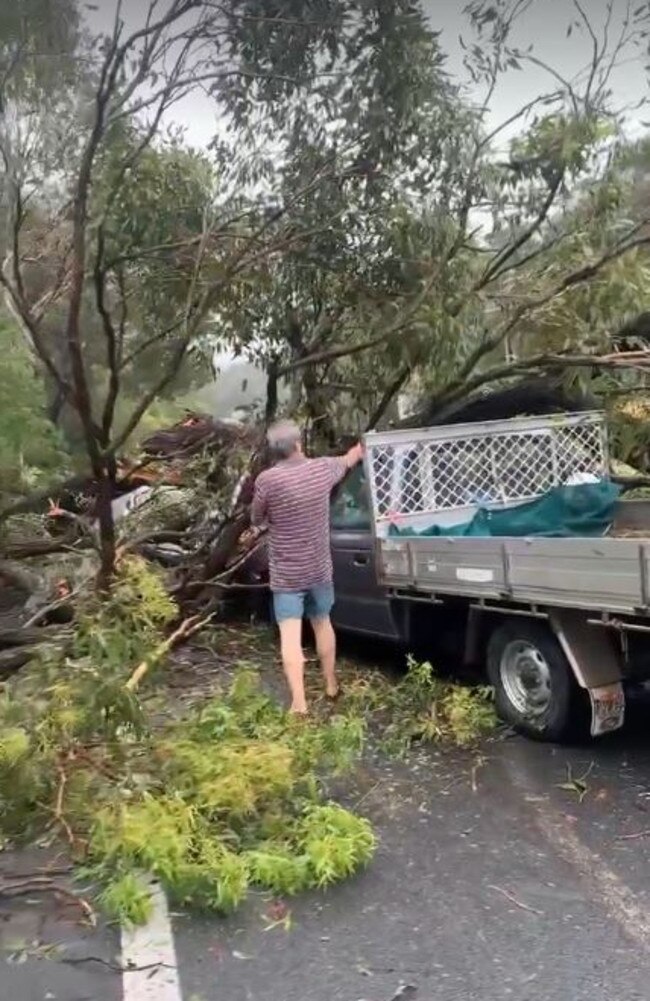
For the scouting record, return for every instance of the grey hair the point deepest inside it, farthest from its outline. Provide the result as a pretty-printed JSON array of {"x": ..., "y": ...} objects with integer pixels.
[{"x": 283, "y": 438}]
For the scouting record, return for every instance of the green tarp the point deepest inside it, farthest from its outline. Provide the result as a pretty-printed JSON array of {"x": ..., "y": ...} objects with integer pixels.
[{"x": 583, "y": 510}]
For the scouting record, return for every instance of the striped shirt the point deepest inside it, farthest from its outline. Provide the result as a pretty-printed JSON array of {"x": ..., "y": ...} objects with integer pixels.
[{"x": 293, "y": 499}]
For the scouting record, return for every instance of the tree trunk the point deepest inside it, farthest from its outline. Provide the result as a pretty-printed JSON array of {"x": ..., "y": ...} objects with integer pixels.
[
  {"x": 318, "y": 401},
  {"x": 55, "y": 406},
  {"x": 105, "y": 489},
  {"x": 295, "y": 393},
  {"x": 271, "y": 408}
]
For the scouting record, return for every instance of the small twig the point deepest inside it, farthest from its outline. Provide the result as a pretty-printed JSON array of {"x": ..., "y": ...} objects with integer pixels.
[
  {"x": 479, "y": 763},
  {"x": 513, "y": 900},
  {"x": 221, "y": 579},
  {"x": 368, "y": 793},
  {"x": 115, "y": 967},
  {"x": 149, "y": 538},
  {"x": 44, "y": 872},
  {"x": 42, "y": 613},
  {"x": 230, "y": 569},
  {"x": 80, "y": 522},
  {"x": 83, "y": 754},
  {"x": 578, "y": 785},
  {"x": 632, "y": 837},
  {"x": 42, "y": 884},
  {"x": 58, "y": 809}
]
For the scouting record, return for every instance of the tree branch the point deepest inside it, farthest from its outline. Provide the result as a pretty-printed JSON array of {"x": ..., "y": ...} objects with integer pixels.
[
  {"x": 639, "y": 360},
  {"x": 111, "y": 340},
  {"x": 596, "y": 53},
  {"x": 347, "y": 350},
  {"x": 578, "y": 277},
  {"x": 388, "y": 396},
  {"x": 31, "y": 327},
  {"x": 496, "y": 267}
]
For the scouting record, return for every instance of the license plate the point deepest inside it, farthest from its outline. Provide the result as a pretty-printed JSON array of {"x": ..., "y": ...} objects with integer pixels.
[{"x": 607, "y": 709}]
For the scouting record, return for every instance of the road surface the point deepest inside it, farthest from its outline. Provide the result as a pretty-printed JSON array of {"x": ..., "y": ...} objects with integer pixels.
[{"x": 491, "y": 882}]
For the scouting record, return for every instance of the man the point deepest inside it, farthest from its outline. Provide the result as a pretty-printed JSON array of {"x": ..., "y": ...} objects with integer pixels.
[{"x": 292, "y": 500}]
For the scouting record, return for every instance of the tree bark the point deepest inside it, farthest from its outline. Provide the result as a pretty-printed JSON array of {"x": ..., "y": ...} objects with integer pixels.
[
  {"x": 24, "y": 549},
  {"x": 10, "y": 638},
  {"x": 105, "y": 491},
  {"x": 271, "y": 407},
  {"x": 55, "y": 407},
  {"x": 317, "y": 404},
  {"x": 388, "y": 397},
  {"x": 12, "y": 660}
]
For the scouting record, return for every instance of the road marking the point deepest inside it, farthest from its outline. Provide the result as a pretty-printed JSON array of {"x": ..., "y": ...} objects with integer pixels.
[
  {"x": 619, "y": 900},
  {"x": 150, "y": 955}
]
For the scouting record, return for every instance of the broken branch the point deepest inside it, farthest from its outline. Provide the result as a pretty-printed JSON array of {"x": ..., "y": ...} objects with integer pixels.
[{"x": 187, "y": 628}]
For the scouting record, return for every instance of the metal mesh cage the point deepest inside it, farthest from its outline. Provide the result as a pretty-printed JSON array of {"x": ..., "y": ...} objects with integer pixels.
[{"x": 498, "y": 462}]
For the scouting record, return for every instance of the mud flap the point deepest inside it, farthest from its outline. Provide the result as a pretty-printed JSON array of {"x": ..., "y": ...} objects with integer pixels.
[
  {"x": 596, "y": 664},
  {"x": 607, "y": 708}
]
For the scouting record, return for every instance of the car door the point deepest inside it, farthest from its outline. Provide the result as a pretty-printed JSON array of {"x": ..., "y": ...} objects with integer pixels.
[{"x": 362, "y": 606}]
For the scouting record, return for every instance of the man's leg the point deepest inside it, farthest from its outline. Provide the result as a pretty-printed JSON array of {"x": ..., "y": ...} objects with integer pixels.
[
  {"x": 318, "y": 605},
  {"x": 288, "y": 610},
  {"x": 326, "y": 648},
  {"x": 293, "y": 661}
]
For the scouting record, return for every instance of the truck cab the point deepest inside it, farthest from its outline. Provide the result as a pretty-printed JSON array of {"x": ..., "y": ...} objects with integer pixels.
[{"x": 363, "y": 606}]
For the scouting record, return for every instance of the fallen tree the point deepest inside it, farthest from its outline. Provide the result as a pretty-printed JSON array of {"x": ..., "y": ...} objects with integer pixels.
[
  {"x": 230, "y": 796},
  {"x": 185, "y": 502}
]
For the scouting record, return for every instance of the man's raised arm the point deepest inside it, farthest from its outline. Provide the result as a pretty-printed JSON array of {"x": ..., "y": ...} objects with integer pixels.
[{"x": 354, "y": 455}]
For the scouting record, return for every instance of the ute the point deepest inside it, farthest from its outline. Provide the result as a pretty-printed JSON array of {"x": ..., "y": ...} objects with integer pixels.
[{"x": 509, "y": 537}]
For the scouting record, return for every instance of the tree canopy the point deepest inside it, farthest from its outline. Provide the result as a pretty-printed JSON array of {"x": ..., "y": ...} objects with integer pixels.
[{"x": 359, "y": 227}]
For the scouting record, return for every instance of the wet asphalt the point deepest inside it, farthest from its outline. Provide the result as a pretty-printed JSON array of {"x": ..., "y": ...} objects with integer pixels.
[{"x": 491, "y": 881}]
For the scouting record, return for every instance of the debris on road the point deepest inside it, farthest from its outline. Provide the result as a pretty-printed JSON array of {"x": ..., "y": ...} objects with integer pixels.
[{"x": 577, "y": 785}]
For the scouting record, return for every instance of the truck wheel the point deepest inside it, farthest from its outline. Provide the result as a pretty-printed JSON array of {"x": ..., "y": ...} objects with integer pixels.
[{"x": 535, "y": 690}]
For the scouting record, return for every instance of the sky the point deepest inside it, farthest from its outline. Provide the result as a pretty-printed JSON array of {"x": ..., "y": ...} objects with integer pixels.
[{"x": 544, "y": 24}]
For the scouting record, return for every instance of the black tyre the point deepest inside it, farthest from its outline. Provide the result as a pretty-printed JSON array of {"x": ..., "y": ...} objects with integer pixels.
[{"x": 535, "y": 689}]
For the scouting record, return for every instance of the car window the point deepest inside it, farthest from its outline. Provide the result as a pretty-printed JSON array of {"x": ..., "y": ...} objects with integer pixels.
[{"x": 350, "y": 506}]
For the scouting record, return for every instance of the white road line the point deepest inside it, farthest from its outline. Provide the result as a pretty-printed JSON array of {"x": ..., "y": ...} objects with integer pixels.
[
  {"x": 146, "y": 947},
  {"x": 621, "y": 902},
  {"x": 618, "y": 899}
]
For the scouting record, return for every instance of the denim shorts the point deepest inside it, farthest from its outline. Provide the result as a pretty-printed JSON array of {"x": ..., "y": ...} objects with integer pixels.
[{"x": 314, "y": 603}]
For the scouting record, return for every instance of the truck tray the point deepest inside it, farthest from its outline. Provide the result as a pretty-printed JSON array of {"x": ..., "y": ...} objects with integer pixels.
[{"x": 611, "y": 574}]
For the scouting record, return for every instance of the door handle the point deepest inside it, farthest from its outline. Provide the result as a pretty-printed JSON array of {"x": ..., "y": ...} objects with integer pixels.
[{"x": 360, "y": 561}]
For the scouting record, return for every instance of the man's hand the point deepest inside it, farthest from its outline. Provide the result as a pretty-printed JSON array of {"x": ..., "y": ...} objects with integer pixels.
[
  {"x": 354, "y": 456},
  {"x": 249, "y": 537}
]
